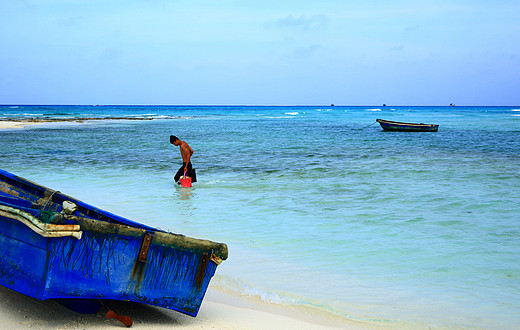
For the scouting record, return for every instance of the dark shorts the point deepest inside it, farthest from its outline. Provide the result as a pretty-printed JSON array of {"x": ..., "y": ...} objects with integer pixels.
[{"x": 190, "y": 173}]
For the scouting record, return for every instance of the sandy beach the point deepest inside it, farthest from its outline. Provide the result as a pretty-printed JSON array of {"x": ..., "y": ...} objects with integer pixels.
[
  {"x": 219, "y": 311},
  {"x": 20, "y": 124},
  {"x": 28, "y": 122},
  {"x": 15, "y": 124}
]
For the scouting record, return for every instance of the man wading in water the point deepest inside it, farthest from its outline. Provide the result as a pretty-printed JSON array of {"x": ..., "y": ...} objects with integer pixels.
[{"x": 186, "y": 153}]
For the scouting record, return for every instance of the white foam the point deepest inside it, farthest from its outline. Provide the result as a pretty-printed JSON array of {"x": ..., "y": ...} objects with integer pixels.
[
  {"x": 292, "y": 113},
  {"x": 265, "y": 296},
  {"x": 239, "y": 287},
  {"x": 373, "y": 110}
]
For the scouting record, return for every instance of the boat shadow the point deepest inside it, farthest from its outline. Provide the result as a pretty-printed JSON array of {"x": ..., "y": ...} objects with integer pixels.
[{"x": 17, "y": 310}]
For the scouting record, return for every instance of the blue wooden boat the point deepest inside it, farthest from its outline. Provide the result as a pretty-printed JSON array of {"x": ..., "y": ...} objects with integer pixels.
[
  {"x": 56, "y": 247},
  {"x": 388, "y": 125}
]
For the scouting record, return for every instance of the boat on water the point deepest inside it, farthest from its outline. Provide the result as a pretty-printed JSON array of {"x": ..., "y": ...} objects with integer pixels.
[
  {"x": 56, "y": 247},
  {"x": 388, "y": 125}
]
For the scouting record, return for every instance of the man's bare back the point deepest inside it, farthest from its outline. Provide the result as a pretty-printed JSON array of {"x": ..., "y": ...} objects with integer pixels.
[{"x": 186, "y": 152}]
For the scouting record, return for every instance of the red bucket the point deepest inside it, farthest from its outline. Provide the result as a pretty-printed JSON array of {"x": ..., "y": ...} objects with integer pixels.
[{"x": 185, "y": 181}]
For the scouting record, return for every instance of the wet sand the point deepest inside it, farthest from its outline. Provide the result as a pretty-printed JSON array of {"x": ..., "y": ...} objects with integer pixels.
[{"x": 218, "y": 311}]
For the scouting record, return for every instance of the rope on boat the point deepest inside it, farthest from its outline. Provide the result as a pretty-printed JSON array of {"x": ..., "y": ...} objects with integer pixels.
[
  {"x": 41, "y": 228},
  {"x": 49, "y": 199},
  {"x": 367, "y": 126},
  {"x": 47, "y": 215}
]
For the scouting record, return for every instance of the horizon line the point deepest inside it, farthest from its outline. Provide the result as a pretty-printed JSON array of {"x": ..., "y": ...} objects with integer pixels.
[{"x": 248, "y": 105}]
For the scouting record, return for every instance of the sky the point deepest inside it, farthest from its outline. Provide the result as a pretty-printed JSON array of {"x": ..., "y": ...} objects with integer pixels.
[{"x": 243, "y": 52}]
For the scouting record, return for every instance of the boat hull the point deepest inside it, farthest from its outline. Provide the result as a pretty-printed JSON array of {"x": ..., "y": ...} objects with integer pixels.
[
  {"x": 114, "y": 258},
  {"x": 406, "y": 127}
]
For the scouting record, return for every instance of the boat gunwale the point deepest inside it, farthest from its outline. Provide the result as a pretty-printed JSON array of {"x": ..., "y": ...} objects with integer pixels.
[{"x": 161, "y": 238}]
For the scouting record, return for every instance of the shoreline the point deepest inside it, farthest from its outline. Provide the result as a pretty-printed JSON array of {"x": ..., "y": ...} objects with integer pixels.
[
  {"x": 21, "y": 123},
  {"x": 219, "y": 310},
  {"x": 6, "y": 124}
]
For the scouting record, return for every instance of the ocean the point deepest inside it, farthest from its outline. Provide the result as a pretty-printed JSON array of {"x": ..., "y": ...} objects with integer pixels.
[{"x": 320, "y": 208}]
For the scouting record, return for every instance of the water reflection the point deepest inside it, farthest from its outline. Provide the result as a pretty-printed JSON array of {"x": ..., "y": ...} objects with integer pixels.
[
  {"x": 185, "y": 193},
  {"x": 184, "y": 197}
]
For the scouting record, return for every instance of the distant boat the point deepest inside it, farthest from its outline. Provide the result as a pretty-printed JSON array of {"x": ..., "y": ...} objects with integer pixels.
[
  {"x": 388, "y": 125},
  {"x": 53, "y": 246}
]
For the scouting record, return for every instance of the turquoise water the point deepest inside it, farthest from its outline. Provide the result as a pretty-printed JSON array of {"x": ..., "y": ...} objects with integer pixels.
[{"x": 319, "y": 206}]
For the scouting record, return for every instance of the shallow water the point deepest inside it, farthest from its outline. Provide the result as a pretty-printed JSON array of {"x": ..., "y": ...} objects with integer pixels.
[{"x": 318, "y": 205}]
